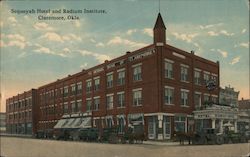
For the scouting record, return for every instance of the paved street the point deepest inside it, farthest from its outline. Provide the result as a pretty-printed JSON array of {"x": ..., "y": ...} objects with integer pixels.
[{"x": 23, "y": 147}]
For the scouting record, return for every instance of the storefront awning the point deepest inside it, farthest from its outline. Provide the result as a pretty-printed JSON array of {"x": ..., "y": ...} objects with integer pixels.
[{"x": 59, "y": 123}]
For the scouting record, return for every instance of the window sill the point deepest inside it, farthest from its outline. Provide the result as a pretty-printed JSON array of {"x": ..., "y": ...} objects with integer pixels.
[
  {"x": 121, "y": 107},
  {"x": 137, "y": 80},
  {"x": 171, "y": 78},
  {"x": 186, "y": 106},
  {"x": 169, "y": 104},
  {"x": 185, "y": 81},
  {"x": 137, "y": 105}
]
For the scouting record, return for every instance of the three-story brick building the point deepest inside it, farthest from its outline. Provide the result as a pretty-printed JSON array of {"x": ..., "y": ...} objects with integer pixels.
[{"x": 155, "y": 89}]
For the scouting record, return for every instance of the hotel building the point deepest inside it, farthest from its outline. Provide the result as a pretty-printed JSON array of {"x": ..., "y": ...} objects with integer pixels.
[{"x": 154, "y": 89}]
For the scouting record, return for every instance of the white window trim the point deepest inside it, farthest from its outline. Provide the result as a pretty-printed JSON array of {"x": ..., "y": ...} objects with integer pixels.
[
  {"x": 169, "y": 87},
  {"x": 205, "y": 94},
  {"x": 184, "y": 65},
  {"x": 88, "y": 80},
  {"x": 97, "y": 77},
  {"x": 184, "y": 90},
  {"x": 96, "y": 97},
  {"x": 137, "y": 89},
  {"x": 197, "y": 92},
  {"x": 206, "y": 72},
  {"x": 136, "y": 65},
  {"x": 121, "y": 92},
  {"x": 213, "y": 74},
  {"x": 196, "y": 69},
  {"x": 111, "y": 94},
  {"x": 110, "y": 73},
  {"x": 88, "y": 98},
  {"x": 214, "y": 95},
  {"x": 168, "y": 60},
  {"x": 120, "y": 70}
]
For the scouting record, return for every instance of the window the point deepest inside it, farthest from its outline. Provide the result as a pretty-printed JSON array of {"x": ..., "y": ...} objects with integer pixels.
[
  {"x": 169, "y": 69},
  {"x": 121, "y": 126},
  {"x": 79, "y": 105},
  {"x": 184, "y": 97},
  {"x": 65, "y": 91},
  {"x": 88, "y": 105},
  {"x": 214, "y": 77},
  {"x": 109, "y": 122},
  {"x": 96, "y": 103},
  {"x": 97, "y": 84},
  {"x": 214, "y": 98},
  {"x": 184, "y": 73},
  {"x": 109, "y": 80},
  {"x": 110, "y": 101},
  {"x": 79, "y": 87},
  {"x": 206, "y": 78},
  {"x": 169, "y": 95},
  {"x": 206, "y": 98},
  {"x": 197, "y": 99},
  {"x": 197, "y": 77},
  {"x": 137, "y": 97},
  {"x": 73, "y": 106},
  {"x": 88, "y": 86},
  {"x": 180, "y": 123},
  {"x": 65, "y": 108},
  {"x": 121, "y": 99},
  {"x": 73, "y": 89},
  {"x": 121, "y": 78},
  {"x": 137, "y": 73}
]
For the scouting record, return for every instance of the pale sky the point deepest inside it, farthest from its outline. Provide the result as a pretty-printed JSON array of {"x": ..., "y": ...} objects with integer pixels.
[{"x": 34, "y": 53}]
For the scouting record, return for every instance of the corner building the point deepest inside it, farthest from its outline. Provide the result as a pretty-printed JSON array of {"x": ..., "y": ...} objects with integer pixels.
[
  {"x": 21, "y": 112},
  {"x": 155, "y": 89}
]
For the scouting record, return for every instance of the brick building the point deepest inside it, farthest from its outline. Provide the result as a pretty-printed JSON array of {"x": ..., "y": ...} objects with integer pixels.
[
  {"x": 155, "y": 89},
  {"x": 21, "y": 113}
]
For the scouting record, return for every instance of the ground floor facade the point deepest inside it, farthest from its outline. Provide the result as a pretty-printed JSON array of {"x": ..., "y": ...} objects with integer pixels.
[
  {"x": 156, "y": 126},
  {"x": 221, "y": 118},
  {"x": 20, "y": 128}
]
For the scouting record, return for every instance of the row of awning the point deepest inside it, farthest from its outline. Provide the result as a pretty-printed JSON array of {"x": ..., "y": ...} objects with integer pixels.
[{"x": 84, "y": 122}]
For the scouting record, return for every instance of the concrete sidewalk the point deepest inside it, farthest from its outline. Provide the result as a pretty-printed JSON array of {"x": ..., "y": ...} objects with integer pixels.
[{"x": 163, "y": 143}]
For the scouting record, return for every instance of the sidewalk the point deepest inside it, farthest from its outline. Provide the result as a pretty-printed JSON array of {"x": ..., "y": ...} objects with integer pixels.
[{"x": 164, "y": 143}]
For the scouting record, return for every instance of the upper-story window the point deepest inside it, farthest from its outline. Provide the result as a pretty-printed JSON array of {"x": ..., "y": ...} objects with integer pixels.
[
  {"x": 79, "y": 87},
  {"x": 184, "y": 73},
  {"x": 169, "y": 95},
  {"x": 110, "y": 100},
  {"x": 73, "y": 88},
  {"x": 137, "y": 97},
  {"x": 88, "y": 86},
  {"x": 65, "y": 107},
  {"x": 214, "y": 77},
  {"x": 96, "y": 103},
  {"x": 88, "y": 104},
  {"x": 79, "y": 105},
  {"x": 65, "y": 91},
  {"x": 121, "y": 77},
  {"x": 97, "y": 83},
  {"x": 184, "y": 97},
  {"x": 206, "y": 77},
  {"x": 206, "y": 98},
  {"x": 137, "y": 72},
  {"x": 109, "y": 80},
  {"x": 121, "y": 99},
  {"x": 197, "y": 77},
  {"x": 197, "y": 99},
  {"x": 169, "y": 69}
]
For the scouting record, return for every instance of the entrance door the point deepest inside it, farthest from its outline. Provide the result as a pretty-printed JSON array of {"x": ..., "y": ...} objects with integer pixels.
[
  {"x": 151, "y": 128},
  {"x": 166, "y": 127}
]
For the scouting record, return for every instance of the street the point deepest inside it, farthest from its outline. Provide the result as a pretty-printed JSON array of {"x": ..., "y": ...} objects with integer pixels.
[{"x": 25, "y": 147}]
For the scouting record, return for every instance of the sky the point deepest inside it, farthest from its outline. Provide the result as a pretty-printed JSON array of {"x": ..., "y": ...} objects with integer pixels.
[{"x": 36, "y": 52}]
